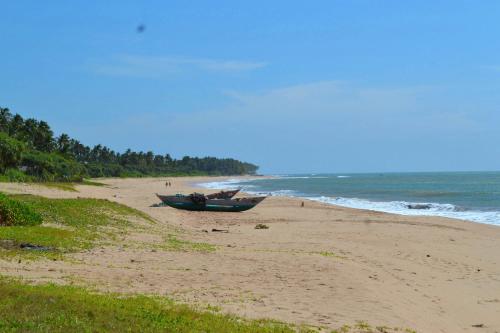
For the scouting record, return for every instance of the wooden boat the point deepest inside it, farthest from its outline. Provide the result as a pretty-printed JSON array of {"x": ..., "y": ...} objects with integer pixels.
[
  {"x": 199, "y": 202},
  {"x": 223, "y": 194}
]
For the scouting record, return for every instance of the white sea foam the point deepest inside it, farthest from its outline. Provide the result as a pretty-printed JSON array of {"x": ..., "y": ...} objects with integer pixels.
[
  {"x": 278, "y": 193},
  {"x": 401, "y": 207},
  {"x": 311, "y": 176},
  {"x": 395, "y": 207},
  {"x": 227, "y": 184},
  {"x": 248, "y": 188}
]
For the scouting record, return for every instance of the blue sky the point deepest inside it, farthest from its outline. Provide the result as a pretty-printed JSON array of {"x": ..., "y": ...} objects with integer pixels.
[{"x": 310, "y": 86}]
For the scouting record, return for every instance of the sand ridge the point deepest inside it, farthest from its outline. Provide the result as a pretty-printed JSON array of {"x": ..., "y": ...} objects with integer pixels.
[{"x": 319, "y": 264}]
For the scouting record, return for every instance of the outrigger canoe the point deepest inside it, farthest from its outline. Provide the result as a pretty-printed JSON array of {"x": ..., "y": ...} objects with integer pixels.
[
  {"x": 200, "y": 202},
  {"x": 223, "y": 194}
]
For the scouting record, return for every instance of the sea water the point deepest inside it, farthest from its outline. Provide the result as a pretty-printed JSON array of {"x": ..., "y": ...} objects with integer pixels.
[{"x": 473, "y": 196}]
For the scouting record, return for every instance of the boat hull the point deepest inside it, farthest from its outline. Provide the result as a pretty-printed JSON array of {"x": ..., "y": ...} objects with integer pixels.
[{"x": 211, "y": 205}]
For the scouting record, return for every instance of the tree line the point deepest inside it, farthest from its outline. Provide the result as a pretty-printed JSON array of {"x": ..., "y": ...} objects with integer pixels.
[{"x": 29, "y": 150}]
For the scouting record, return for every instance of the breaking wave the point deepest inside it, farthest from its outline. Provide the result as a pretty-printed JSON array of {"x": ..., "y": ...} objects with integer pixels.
[
  {"x": 415, "y": 209},
  {"x": 299, "y": 177},
  {"x": 395, "y": 207},
  {"x": 228, "y": 184}
]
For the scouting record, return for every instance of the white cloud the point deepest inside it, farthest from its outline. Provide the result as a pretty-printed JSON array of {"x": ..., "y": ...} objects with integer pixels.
[
  {"x": 158, "y": 66},
  {"x": 326, "y": 98},
  {"x": 323, "y": 125},
  {"x": 323, "y": 108}
]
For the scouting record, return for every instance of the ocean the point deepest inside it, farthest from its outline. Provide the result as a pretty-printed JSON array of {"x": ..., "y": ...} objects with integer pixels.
[{"x": 473, "y": 196}]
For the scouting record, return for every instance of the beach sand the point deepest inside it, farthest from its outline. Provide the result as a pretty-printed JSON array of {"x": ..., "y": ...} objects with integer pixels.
[{"x": 319, "y": 264}]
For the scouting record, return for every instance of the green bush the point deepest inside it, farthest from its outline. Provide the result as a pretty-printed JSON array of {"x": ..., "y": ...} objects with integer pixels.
[
  {"x": 52, "y": 167},
  {"x": 96, "y": 170},
  {"x": 16, "y": 213},
  {"x": 15, "y": 175},
  {"x": 10, "y": 152}
]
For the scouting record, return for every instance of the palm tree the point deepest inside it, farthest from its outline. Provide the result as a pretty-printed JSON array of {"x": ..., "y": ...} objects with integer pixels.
[
  {"x": 5, "y": 119},
  {"x": 43, "y": 137},
  {"x": 63, "y": 143}
]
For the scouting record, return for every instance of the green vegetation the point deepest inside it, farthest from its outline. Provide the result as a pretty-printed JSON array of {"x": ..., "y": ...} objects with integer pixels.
[
  {"x": 172, "y": 243},
  {"x": 52, "y": 167},
  {"x": 91, "y": 183},
  {"x": 61, "y": 240},
  {"x": 363, "y": 327},
  {"x": 327, "y": 254},
  {"x": 10, "y": 152},
  {"x": 63, "y": 186},
  {"x": 51, "y": 308},
  {"x": 82, "y": 212},
  {"x": 15, "y": 175},
  {"x": 30, "y": 152},
  {"x": 16, "y": 213},
  {"x": 302, "y": 252},
  {"x": 74, "y": 224},
  {"x": 70, "y": 186}
]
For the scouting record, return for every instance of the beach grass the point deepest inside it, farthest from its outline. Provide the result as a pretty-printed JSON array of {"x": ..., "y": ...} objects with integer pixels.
[
  {"x": 63, "y": 186},
  {"x": 56, "y": 308},
  {"x": 172, "y": 243},
  {"x": 91, "y": 183},
  {"x": 82, "y": 212},
  {"x": 68, "y": 225},
  {"x": 53, "y": 308},
  {"x": 364, "y": 327},
  {"x": 55, "y": 242},
  {"x": 45, "y": 236}
]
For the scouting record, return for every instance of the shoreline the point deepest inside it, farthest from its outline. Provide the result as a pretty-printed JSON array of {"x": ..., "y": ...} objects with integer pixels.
[
  {"x": 399, "y": 207},
  {"x": 321, "y": 264}
]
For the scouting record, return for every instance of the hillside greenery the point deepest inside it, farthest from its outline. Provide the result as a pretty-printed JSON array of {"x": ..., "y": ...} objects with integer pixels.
[{"x": 29, "y": 151}]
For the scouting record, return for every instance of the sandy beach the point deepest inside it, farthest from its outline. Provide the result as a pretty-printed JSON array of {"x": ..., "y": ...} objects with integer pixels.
[{"x": 319, "y": 265}]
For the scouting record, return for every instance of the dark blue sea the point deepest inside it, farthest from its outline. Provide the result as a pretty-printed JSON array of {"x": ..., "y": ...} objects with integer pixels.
[{"x": 473, "y": 196}]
